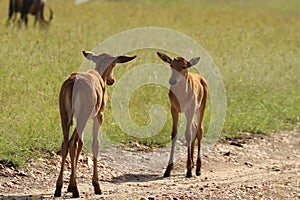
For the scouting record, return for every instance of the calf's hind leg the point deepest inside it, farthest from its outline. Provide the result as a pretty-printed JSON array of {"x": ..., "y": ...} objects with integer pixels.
[
  {"x": 73, "y": 149},
  {"x": 95, "y": 148},
  {"x": 65, "y": 147},
  {"x": 79, "y": 145}
]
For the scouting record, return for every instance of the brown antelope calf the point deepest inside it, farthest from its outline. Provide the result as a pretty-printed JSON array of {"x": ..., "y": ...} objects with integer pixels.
[
  {"x": 83, "y": 95},
  {"x": 188, "y": 93}
]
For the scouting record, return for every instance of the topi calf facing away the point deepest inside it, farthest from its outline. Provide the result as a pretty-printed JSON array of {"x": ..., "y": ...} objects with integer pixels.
[
  {"x": 188, "y": 94},
  {"x": 83, "y": 96}
]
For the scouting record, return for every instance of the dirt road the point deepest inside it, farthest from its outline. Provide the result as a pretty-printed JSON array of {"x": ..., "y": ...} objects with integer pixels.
[{"x": 251, "y": 167}]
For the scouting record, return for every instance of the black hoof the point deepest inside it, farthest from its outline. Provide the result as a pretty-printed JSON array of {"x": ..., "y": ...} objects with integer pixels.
[
  {"x": 75, "y": 194},
  {"x": 167, "y": 174},
  {"x": 198, "y": 172},
  {"x": 168, "y": 170},
  {"x": 97, "y": 190},
  {"x": 69, "y": 189},
  {"x": 57, "y": 193},
  {"x": 188, "y": 174},
  {"x": 74, "y": 190}
]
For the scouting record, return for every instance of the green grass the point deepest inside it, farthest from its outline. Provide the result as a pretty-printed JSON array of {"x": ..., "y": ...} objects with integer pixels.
[{"x": 256, "y": 46}]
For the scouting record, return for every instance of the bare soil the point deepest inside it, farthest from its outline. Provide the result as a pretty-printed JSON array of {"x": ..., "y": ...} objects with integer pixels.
[{"x": 249, "y": 167}]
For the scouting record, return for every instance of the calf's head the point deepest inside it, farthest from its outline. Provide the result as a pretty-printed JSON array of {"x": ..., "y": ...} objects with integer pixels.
[
  {"x": 105, "y": 64},
  {"x": 179, "y": 67}
]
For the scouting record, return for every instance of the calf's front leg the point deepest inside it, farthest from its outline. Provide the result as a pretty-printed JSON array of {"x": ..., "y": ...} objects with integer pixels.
[
  {"x": 189, "y": 139},
  {"x": 174, "y": 138}
]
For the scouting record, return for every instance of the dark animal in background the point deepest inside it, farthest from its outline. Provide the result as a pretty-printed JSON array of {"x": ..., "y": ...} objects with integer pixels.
[{"x": 25, "y": 7}]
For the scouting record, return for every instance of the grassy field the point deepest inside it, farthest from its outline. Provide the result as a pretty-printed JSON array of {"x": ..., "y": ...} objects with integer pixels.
[{"x": 255, "y": 44}]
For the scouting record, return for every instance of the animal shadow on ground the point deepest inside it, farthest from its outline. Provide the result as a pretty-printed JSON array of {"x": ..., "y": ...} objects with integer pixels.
[{"x": 130, "y": 177}]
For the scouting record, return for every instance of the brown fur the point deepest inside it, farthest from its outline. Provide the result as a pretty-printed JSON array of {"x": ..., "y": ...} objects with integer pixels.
[
  {"x": 188, "y": 94},
  {"x": 33, "y": 7},
  {"x": 83, "y": 96}
]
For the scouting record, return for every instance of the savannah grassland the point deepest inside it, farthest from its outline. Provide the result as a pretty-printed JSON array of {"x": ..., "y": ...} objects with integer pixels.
[{"x": 255, "y": 44}]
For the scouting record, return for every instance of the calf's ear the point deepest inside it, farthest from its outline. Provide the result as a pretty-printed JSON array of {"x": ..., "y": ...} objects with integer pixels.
[
  {"x": 124, "y": 59},
  {"x": 89, "y": 55},
  {"x": 193, "y": 61},
  {"x": 164, "y": 57}
]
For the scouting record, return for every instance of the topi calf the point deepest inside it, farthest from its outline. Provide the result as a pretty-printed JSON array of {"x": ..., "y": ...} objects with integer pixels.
[
  {"x": 188, "y": 94},
  {"x": 83, "y": 96}
]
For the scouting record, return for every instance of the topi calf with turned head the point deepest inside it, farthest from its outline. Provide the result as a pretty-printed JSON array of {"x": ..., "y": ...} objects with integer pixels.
[
  {"x": 188, "y": 94},
  {"x": 83, "y": 96}
]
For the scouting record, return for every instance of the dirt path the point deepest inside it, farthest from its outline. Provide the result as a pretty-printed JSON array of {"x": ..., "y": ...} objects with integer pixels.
[{"x": 256, "y": 167}]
